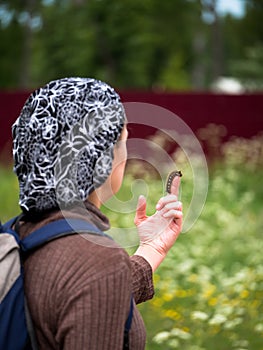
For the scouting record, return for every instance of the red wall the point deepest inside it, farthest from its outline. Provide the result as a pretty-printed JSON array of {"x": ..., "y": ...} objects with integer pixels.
[{"x": 242, "y": 115}]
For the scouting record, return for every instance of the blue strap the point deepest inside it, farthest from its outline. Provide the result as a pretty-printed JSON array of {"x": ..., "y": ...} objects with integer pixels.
[
  {"x": 7, "y": 226},
  {"x": 129, "y": 319},
  {"x": 56, "y": 229},
  {"x": 128, "y": 327}
]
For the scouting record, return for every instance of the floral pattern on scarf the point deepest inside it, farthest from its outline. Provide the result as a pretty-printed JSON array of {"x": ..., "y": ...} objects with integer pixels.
[{"x": 63, "y": 142}]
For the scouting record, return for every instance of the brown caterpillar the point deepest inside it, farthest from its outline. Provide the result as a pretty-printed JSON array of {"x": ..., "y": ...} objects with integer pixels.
[{"x": 170, "y": 178}]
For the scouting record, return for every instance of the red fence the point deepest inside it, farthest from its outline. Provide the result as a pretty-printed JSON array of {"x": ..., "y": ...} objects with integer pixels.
[{"x": 242, "y": 115}]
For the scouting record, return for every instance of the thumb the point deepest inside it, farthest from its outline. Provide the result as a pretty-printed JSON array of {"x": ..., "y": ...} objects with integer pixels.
[{"x": 140, "y": 215}]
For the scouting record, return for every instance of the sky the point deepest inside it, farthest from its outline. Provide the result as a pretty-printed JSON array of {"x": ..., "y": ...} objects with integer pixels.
[{"x": 235, "y": 7}]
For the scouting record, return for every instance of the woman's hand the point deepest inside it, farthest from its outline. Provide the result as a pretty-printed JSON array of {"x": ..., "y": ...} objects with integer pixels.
[{"x": 159, "y": 232}]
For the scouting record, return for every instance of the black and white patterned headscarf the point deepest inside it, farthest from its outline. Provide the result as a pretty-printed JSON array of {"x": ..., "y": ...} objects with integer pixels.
[{"x": 63, "y": 142}]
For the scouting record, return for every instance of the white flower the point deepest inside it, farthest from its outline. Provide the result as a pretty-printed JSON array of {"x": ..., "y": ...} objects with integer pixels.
[
  {"x": 199, "y": 315},
  {"x": 259, "y": 328},
  {"x": 161, "y": 337},
  {"x": 174, "y": 343},
  {"x": 217, "y": 319},
  {"x": 180, "y": 333}
]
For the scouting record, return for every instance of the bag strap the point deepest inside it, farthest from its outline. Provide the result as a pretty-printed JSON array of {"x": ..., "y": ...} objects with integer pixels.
[
  {"x": 128, "y": 327},
  {"x": 56, "y": 229},
  {"x": 10, "y": 222},
  {"x": 6, "y": 227}
]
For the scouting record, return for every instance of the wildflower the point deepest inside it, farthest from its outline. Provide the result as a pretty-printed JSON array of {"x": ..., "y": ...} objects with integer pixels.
[
  {"x": 159, "y": 338},
  {"x": 244, "y": 294},
  {"x": 172, "y": 314},
  {"x": 168, "y": 296},
  {"x": 217, "y": 319},
  {"x": 212, "y": 301},
  {"x": 174, "y": 343},
  {"x": 199, "y": 315},
  {"x": 233, "y": 323},
  {"x": 179, "y": 333},
  {"x": 259, "y": 328}
]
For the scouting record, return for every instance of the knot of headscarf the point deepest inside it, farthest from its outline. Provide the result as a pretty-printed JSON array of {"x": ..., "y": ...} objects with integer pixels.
[{"x": 63, "y": 142}]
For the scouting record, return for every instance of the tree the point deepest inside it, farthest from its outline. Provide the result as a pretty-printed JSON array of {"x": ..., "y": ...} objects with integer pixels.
[
  {"x": 131, "y": 44},
  {"x": 244, "y": 46}
]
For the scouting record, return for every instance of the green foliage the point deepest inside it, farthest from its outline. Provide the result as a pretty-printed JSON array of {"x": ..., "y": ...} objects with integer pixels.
[
  {"x": 179, "y": 79},
  {"x": 128, "y": 43},
  {"x": 244, "y": 46},
  {"x": 9, "y": 66},
  {"x": 114, "y": 40},
  {"x": 249, "y": 69},
  {"x": 8, "y": 194},
  {"x": 209, "y": 289}
]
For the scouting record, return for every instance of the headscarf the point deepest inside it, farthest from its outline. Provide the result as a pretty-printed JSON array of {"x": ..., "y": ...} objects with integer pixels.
[{"x": 63, "y": 142}]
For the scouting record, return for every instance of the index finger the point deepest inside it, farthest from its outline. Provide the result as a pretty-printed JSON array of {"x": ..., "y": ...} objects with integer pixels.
[{"x": 173, "y": 182}]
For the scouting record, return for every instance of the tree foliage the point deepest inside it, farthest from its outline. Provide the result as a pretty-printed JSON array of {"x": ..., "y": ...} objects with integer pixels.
[{"x": 129, "y": 43}]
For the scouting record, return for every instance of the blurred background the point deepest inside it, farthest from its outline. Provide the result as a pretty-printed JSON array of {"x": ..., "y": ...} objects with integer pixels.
[
  {"x": 170, "y": 46},
  {"x": 202, "y": 60}
]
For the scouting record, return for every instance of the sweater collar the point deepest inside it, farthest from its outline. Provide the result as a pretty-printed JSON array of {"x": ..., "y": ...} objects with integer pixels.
[{"x": 97, "y": 217}]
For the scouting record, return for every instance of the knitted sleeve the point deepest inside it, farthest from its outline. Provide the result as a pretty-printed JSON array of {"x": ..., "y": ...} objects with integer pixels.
[{"x": 142, "y": 279}]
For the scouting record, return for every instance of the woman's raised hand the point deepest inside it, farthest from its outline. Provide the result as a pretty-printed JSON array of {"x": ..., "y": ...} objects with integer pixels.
[{"x": 159, "y": 232}]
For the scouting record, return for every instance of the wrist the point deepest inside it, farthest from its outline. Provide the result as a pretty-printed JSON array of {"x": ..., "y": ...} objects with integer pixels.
[{"x": 149, "y": 253}]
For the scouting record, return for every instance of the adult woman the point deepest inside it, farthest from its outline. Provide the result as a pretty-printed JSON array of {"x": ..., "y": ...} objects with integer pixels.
[{"x": 69, "y": 156}]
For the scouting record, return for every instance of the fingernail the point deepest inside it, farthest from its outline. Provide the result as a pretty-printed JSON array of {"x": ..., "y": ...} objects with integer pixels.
[{"x": 158, "y": 206}]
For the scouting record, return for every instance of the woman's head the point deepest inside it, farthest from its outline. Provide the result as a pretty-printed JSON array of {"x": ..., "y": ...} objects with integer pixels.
[{"x": 64, "y": 142}]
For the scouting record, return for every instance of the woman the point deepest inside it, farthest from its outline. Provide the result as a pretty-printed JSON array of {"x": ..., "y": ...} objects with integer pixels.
[{"x": 69, "y": 156}]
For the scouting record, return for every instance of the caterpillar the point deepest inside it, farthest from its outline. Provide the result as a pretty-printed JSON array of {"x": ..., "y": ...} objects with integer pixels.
[{"x": 170, "y": 178}]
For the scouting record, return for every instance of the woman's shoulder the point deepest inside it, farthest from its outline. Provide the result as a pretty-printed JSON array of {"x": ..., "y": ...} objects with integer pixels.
[
  {"x": 85, "y": 253},
  {"x": 81, "y": 253},
  {"x": 95, "y": 248},
  {"x": 75, "y": 263}
]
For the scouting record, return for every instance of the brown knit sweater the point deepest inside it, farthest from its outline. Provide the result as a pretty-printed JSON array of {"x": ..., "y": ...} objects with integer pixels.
[{"x": 79, "y": 287}]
